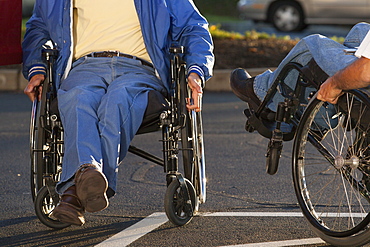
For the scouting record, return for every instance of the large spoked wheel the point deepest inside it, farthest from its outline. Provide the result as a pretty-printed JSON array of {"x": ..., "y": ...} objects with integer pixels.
[
  {"x": 37, "y": 141},
  {"x": 287, "y": 16},
  {"x": 192, "y": 143},
  {"x": 44, "y": 206},
  {"x": 176, "y": 205},
  {"x": 331, "y": 169}
]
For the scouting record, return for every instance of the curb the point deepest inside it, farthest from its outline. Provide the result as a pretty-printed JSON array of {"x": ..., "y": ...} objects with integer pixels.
[{"x": 11, "y": 79}]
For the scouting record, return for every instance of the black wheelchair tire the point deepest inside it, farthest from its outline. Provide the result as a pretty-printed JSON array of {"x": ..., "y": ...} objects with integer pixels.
[
  {"x": 186, "y": 143},
  {"x": 44, "y": 206},
  {"x": 316, "y": 169},
  {"x": 272, "y": 160},
  {"x": 174, "y": 203}
]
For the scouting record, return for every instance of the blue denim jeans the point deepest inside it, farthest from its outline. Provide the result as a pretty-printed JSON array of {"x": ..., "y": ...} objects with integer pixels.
[
  {"x": 102, "y": 103},
  {"x": 327, "y": 53}
]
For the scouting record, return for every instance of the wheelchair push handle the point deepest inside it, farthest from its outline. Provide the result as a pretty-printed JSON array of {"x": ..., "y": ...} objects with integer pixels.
[
  {"x": 176, "y": 49},
  {"x": 49, "y": 54}
]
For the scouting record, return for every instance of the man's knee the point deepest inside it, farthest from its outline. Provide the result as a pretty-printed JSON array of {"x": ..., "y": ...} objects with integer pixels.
[{"x": 78, "y": 97}]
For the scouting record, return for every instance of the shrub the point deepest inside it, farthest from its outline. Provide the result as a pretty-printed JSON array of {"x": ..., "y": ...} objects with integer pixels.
[{"x": 217, "y": 7}]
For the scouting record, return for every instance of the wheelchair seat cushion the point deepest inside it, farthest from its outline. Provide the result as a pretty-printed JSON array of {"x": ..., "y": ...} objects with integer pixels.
[
  {"x": 313, "y": 73},
  {"x": 157, "y": 103}
]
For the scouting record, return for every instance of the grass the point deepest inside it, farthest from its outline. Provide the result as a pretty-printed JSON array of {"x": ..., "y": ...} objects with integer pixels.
[
  {"x": 216, "y": 32},
  {"x": 221, "y": 18},
  {"x": 24, "y": 20}
]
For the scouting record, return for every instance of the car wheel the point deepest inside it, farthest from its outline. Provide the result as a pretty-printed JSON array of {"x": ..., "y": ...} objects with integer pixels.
[{"x": 287, "y": 16}]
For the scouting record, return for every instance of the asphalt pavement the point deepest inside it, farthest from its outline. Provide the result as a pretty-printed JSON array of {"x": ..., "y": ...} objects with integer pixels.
[{"x": 244, "y": 205}]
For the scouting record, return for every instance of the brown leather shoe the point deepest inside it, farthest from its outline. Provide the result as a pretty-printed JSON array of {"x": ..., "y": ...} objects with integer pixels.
[
  {"x": 69, "y": 209},
  {"x": 91, "y": 187},
  {"x": 242, "y": 85}
]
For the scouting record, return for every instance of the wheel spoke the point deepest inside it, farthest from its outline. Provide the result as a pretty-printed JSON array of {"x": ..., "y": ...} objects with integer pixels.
[{"x": 330, "y": 167}]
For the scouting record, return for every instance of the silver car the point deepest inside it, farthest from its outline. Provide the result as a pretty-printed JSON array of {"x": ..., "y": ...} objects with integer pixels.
[
  {"x": 295, "y": 15},
  {"x": 27, "y": 7}
]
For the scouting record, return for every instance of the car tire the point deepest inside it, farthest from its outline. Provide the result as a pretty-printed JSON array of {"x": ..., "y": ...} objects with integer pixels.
[{"x": 287, "y": 16}]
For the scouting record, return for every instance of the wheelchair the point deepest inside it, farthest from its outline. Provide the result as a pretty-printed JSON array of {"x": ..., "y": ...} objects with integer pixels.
[
  {"x": 182, "y": 143},
  {"x": 330, "y": 156}
]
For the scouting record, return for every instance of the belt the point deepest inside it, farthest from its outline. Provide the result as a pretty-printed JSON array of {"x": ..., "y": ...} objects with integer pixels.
[{"x": 118, "y": 54}]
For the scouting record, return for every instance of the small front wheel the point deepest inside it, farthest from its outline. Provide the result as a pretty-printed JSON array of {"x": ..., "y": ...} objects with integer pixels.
[
  {"x": 179, "y": 210},
  {"x": 273, "y": 156},
  {"x": 44, "y": 206}
]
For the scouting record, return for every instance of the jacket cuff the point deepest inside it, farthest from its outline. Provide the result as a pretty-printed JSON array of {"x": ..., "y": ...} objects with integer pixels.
[
  {"x": 196, "y": 69},
  {"x": 37, "y": 69}
]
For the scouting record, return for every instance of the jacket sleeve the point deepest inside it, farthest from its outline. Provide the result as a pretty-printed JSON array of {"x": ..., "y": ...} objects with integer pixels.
[
  {"x": 190, "y": 29},
  {"x": 36, "y": 36}
]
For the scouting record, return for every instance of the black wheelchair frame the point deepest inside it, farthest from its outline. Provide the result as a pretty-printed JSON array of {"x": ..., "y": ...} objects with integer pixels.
[
  {"x": 331, "y": 153},
  {"x": 179, "y": 126}
]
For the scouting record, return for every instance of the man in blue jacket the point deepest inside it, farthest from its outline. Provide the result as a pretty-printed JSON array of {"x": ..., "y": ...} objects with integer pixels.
[{"x": 111, "y": 54}]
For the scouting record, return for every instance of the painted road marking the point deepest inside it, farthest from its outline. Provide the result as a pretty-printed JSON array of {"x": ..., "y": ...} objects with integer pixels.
[
  {"x": 253, "y": 214},
  {"x": 281, "y": 214},
  {"x": 155, "y": 220},
  {"x": 294, "y": 242},
  {"x": 135, "y": 231}
]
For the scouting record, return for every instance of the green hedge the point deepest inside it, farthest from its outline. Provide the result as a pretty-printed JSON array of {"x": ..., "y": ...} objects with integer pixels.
[{"x": 217, "y": 7}]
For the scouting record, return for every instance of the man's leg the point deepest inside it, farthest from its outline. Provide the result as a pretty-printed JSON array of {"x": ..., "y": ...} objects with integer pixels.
[
  {"x": 327, "y": 53},
  {"x": 121, "y": 112},
  {"x": 78, "y": 99},
  {"x": 82, "y": 185}
]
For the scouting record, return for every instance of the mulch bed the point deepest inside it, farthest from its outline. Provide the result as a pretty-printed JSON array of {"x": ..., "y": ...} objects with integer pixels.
[{"x": 248, "y": 53}]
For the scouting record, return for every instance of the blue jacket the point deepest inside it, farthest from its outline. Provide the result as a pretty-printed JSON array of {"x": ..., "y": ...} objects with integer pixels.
[{"x": 163, "y": 22}]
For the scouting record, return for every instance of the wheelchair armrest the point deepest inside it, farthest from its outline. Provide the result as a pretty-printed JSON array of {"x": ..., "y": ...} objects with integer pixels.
[{"x": 350, "y": 51}]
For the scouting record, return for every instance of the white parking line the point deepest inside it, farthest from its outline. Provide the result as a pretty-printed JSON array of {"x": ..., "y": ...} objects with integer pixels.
[
  {"x": 155, "y": 220},
  {"x": 254, "y": 214},
  {"x": 135, "y": 231},
  {"x": 294, "y": 242}
]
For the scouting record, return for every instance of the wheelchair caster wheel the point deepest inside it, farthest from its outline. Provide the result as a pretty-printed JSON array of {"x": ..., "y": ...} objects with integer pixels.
[
  {"x": 177, "y": 209},
  {"x": 44, "y": 205},
  {"x": 273, "y": 157}
]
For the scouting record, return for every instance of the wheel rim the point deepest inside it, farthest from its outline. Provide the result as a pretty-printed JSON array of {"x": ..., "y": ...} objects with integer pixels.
[
  {"x": 287, "y": 18},
  {"x": 199, "y": 157},
  {"x": 330, "y": 165},
  {"x": 175, "y": 202},
  {"x": 36, "y": 140}
]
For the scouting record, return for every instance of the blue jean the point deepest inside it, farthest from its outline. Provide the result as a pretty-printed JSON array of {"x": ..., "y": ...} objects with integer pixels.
[
  {"x": 327, "y": 53},
  {"x": 102, "y": 103}
]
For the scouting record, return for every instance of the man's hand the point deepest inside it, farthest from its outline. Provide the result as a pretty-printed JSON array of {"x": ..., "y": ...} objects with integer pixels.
[
  {"x": 195, "y": 83},
  {"x": 328, "y": 91},
  {"x": 34, "y": 88}
]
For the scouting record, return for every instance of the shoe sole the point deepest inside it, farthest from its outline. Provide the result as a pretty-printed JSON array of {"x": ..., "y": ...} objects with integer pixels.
[
  {"x": 246, "y": 99},
  {"x": 239, "y": 95},
  {"x": 68, "y": 215},
  {"x": 91, "y": 190}
]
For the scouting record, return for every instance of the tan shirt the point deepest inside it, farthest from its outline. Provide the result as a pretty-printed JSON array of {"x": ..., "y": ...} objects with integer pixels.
[{"x": 109, "y": 25}]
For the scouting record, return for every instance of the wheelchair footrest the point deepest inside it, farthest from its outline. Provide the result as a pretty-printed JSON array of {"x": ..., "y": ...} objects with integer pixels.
[{"x": 256, "y": 123}]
